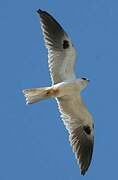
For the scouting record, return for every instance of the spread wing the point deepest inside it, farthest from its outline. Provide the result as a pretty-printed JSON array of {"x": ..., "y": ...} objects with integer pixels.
[
  {"x": 75, "y": 117},
  {"x": 61, "y": 53}
]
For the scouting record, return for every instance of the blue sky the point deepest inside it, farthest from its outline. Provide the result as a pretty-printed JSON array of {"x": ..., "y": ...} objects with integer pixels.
[{"x": 33, "y": 141}]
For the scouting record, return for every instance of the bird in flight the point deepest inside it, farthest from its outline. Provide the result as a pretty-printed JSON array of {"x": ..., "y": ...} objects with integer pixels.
[{"x": 66, "y": 89}]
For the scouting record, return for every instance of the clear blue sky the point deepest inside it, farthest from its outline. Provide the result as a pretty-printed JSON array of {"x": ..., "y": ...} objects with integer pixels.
[{"x": 33, "y": 141}]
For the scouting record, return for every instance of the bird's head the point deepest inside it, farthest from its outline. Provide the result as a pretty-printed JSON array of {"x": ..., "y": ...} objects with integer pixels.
[{"x": 83, "y": 83}]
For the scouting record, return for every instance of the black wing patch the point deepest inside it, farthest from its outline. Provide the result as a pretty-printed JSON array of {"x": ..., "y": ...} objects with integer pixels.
[{"x": 65, "y": 44}]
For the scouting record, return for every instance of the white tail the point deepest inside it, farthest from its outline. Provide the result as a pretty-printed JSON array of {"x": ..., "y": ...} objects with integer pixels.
[{"x": 37, "y": 94}]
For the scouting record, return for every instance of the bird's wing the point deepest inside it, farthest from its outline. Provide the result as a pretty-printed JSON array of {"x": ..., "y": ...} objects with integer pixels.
[
  {"x": 61, "y": 53},
  {"x": 74, "y": 115}
]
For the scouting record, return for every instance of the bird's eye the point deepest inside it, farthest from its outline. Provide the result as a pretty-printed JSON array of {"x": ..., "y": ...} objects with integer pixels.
[{"x": 84, "y": 78}]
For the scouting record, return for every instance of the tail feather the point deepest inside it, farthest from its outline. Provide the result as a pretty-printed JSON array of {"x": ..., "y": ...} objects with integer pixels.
[{"x": 36, "y": 94}]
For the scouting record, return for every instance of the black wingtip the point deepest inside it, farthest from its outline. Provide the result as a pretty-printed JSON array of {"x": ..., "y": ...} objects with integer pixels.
[
  {"x": 39, "y": 11},
  {"x": 83, "y": 172}
]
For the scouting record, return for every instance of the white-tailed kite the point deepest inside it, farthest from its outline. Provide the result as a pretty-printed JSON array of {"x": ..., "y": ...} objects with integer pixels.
[{"x": 66, "y": 89}]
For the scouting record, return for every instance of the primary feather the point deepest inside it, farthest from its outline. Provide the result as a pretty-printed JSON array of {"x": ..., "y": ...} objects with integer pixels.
[{"x": 61, "y": 53}]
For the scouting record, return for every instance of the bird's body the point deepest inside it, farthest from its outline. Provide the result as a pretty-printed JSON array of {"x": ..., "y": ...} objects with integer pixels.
[{"x": 66, "y": 89}]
